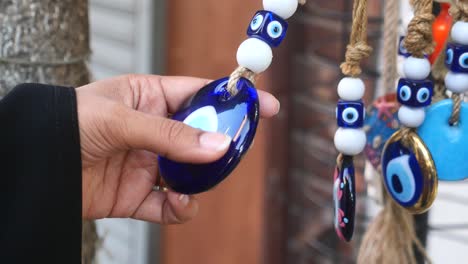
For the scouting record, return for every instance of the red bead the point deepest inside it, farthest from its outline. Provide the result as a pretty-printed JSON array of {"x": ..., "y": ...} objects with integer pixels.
[{"x": 441, "y": 30}]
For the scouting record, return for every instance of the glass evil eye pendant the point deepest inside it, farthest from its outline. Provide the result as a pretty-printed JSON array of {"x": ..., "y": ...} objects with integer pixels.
[
  {"x": 409, "y": 171},
  {"x": 446, "y": 142},
  {"x": 344, "y": 197},
  {"x": 214, "y": 109}
]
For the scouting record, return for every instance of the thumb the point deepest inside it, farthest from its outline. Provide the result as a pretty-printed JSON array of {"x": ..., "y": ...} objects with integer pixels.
[{"x": 172, "y": 139}]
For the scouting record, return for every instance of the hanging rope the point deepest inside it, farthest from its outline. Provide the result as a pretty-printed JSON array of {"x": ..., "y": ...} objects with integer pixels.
[
  {"x": 357, "y": 49},
  {"x": 419, "y": 40},
  {"x": 438, "y": 74},
  {"x": 392, "y": 15},
  {"x": 459, "y": 12},
  {"x": 242, "y": 72},
  {"x": 391, "y": 238}
]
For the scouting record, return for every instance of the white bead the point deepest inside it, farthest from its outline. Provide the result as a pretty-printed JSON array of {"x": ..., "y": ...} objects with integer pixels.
[
  {"x": 416, "y": 68},
  {"x": 350, "y": 141},
  {"x": 351, "y": 89},
  {"x": 283, "y": 8},
  {"x": 411, "y": 116},
  {"x": 254, "y": 55},
  {"x": 460, "y": 32},
  {"x": 456, "y": 82}
]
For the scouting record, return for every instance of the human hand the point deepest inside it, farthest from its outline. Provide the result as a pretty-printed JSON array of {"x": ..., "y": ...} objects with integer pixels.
[{"x": 123, "y": 127}]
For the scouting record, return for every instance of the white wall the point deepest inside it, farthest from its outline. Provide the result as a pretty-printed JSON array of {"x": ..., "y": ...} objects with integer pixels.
[{"x": 122, "y": 36}]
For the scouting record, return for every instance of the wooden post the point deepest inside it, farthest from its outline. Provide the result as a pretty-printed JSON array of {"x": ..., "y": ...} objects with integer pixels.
[{"x": 46, "y": 41}]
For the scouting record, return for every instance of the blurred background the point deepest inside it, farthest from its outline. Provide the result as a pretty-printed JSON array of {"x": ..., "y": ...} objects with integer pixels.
[{"x": 277, "y": 205}]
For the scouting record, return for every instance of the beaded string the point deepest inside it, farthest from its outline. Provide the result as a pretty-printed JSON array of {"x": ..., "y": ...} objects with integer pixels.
[
  {"x": 459, "y": 12},
  {"x": 243, "y": 70},
  {"x": 351, "y": 89},
  {"x": 350, "y": 137},
  {"x": 419, "y": 43}
]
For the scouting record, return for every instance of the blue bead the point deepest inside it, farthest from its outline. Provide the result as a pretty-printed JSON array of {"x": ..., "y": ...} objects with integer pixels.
[
  {"x": 415, "y": 93},
  {"x": 350, "y": 114},
  {"x": 447, "y": 143},
  {"x": 457, "y": 58},
  {"x": 214, "y": 109},
  {"x": 402, "y": 51},
  {"x": 268, "y": 27},
  {"x": 402, "y": 174}
]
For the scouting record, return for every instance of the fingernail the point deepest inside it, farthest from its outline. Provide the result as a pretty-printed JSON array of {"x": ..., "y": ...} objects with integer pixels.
[
  {"x": 184, "y": 199},
  {"x": 215, "y": 141},
  {"x": 278, "y": 107}
]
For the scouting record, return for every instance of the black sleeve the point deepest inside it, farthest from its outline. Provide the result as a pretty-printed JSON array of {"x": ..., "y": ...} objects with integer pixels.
[{"x": 40, "y": 176}]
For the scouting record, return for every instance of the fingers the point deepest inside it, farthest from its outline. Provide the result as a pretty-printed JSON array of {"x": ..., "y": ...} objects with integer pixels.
[
  {"x": 269, "y": 105},
  {"x": 167, "y": 208},
  {"x": 170, "y": 138}
]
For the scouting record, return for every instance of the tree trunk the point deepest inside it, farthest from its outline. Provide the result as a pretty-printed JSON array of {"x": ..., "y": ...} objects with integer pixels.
[{"x": 46, "y": 41}]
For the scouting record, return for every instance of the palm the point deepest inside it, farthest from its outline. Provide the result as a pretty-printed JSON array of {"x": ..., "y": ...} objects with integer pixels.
[{"x": 122, "y": 182}]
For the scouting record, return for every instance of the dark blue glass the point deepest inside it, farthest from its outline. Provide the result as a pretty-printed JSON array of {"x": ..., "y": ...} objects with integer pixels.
[
  {"x": 344, "y": 197},
  {"x": 350, "y": 114},
  {"x": 457, "y": 58},
  {"x": 269, "y": 27},
  {"x": 415, "y": 93},
  {"x": 402, "y": 173},
  {"x": 214, "y": 109},
  {"x": 402, "y": 51}
]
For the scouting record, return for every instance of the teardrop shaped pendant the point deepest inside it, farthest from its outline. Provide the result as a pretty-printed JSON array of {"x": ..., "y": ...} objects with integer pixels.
[
  {"x": 344, "y": 197},
  {"x": 409, "y": 172},
  {"x": 214, "y": 109}
]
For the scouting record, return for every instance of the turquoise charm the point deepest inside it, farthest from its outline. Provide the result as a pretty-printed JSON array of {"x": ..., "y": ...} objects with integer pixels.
[{"x": 447, "y": 144}]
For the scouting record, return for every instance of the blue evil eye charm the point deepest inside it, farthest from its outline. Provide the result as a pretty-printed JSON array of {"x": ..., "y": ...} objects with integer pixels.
[
  {"x": 344, "y": 197},
  {"x": 402, "y": 51},
  {"x": 214, "y": 109},
  {"x": 350, "y": 114},
  {"x": 447, "y": 143},
  {"x": 269, "y": 27},
  {"x": 380, "y": 124},
  {"x": 409, "y": 173},
  {"x": 415, "y": 93},
  {"x": 457, "y": 58}
]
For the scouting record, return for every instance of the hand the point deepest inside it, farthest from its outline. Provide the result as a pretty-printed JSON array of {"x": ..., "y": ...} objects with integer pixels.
[{"x": 123, "y": 127}]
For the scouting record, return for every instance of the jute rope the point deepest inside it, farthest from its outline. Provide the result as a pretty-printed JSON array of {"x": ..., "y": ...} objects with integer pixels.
[
  {"x": 392, "y": 15},
  {"x": 459, "y": 12},
  {"x": 242, "y": 72},
  {"x": 457, "y": 102},
  {"x": 419, "y": 40},
  {"x": 438, "y": 74},
  {"x": 357, "y": 49}
]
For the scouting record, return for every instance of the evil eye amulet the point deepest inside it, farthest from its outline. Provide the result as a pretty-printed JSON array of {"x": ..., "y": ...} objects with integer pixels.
[
  {"x": 457, "y": 58},
  {"x": 446, "y": 142},
  {"x": 214, "y": 109},
  {"x": 268, "y": 27},
  {"x": 344, "y": 197},
  {"x": 409, "y": 172},
  {"x": 350, "y": 114},
  {"x": 415, "y": 93}
]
